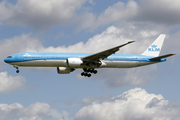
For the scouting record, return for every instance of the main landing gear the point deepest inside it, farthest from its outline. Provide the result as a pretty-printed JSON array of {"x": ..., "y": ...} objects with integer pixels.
[
  {"x": 87, "y": 72},
  {"x": 17, "y": 69}
]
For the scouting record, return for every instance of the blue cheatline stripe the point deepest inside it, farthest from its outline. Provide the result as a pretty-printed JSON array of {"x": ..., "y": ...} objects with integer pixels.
[{"x": 30, "y": 56}]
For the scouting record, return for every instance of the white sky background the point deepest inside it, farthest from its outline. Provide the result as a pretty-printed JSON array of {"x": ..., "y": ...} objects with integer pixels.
[{"x": 89, "y": 26}]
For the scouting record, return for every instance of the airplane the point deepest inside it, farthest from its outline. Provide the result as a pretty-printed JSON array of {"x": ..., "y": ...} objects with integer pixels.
[{"x": 68, "y": 62}]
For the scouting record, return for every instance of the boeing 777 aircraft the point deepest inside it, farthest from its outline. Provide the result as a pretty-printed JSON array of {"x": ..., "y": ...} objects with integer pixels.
[{"x": 68, "y": 62}]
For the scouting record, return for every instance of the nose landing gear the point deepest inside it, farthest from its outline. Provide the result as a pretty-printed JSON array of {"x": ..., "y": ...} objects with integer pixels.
[
  {"x": 87, "y": 72},
  {"x": 17, "y": 69}
]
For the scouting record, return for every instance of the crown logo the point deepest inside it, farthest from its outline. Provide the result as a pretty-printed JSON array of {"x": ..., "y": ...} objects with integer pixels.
[{"x": 153, "y": 46}]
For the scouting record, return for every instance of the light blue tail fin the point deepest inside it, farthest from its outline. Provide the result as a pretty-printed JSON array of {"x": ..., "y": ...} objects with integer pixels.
[{"x": 155, "y": 48}]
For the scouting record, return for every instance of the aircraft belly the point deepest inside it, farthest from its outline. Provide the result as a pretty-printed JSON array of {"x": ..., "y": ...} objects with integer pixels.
[
  {"x": 56, "y": 63},
  {"x": 120, "y": 64},
  {"x": 124, "y": 64},
  {"x": 143, "y": 63}
]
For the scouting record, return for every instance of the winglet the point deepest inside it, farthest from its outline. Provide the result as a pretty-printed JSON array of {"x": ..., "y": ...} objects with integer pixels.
[{"x": 155, "y": 48}]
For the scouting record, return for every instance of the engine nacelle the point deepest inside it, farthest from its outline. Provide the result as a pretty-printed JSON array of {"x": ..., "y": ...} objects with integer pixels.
[
  {"x": 74, "y": 62},
  {"x": 64, "y": 70}
]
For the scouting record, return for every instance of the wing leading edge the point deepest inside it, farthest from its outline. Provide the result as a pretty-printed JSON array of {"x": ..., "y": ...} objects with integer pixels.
[{"x": 103, "y": 54}]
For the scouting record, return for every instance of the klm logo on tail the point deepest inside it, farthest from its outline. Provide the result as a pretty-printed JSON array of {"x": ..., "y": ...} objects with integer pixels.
[{"x": 154, "y": 48}]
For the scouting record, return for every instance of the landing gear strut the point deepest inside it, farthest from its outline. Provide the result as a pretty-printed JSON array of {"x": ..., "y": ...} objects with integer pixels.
[
  {"x": 17, "y": 69},
  {"x": 87, "y": 72}
]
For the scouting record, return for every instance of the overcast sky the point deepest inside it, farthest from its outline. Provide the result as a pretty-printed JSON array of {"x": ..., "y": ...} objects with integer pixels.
[{"x": 89, "y": 26}]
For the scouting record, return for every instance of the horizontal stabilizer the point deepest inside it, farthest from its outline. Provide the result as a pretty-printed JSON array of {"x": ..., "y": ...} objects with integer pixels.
[{"x": 160, "y": 57}]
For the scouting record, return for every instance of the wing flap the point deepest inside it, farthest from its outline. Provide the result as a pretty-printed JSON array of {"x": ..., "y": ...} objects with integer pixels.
[{"x": 160, "y": 57}]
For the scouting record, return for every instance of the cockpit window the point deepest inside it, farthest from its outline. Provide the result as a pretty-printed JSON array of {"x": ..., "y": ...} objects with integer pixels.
[{"x": 9, "y": 57}]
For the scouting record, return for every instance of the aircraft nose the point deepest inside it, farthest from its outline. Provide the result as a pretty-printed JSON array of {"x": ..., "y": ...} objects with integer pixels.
[{"x": 5, "y": 60}]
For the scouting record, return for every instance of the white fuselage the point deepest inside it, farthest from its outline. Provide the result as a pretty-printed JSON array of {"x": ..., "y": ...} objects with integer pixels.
[{"x": 60, "y": 60}]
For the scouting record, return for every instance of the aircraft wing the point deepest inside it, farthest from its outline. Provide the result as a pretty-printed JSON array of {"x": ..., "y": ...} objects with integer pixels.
[
  {"x": 160, "y": 57},
  {"x": 103, "y": 54}
]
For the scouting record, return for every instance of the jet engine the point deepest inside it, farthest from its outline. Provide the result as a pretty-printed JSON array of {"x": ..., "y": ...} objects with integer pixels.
[
  {"x": 74, "y": 62},
  {"x": 64, "y": 70}
]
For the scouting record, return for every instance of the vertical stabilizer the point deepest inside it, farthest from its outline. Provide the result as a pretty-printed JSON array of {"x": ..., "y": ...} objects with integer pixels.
[{"x": 155, "y": 48}]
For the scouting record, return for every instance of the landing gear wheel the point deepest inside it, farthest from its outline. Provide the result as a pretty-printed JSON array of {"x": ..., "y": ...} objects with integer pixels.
[
  {"x": 82, "y": 74},
  {"x": 89, "y": 75},
  {"x": 87, "y": 72},
  {"x": 17, "y": 71},
  {"x": 95, "y": 71},
  {"x": 91, "y": 71}
]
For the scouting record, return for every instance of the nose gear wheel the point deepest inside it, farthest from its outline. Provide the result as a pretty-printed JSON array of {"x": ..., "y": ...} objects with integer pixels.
[{"x": 17, "y": 69}]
